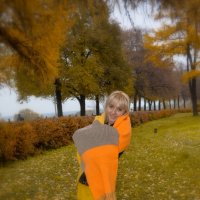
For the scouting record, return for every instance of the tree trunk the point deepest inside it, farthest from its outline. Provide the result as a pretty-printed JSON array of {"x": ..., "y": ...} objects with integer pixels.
[
  {"x": 139, "y": 106},
  {"x": 159, "y": 105},
  {"x": 192, "y": 83},
  {"x": 174, "y": 103},
  {"x": 184, "y": 103},
  {"x": 193, "y": 93},
  {"x": 178, "y": 102},
  {"x": 164, "y": 105},
  {"x": 58, "y": 94},
  {"x": 145, "y": 104},
  {"x": 154, "y": 105},
  {"x": 82, "y": 105},
  {"x": 149, "y": 103},
  {"x": 170, "y": 106},
  {"x": 97, "y": 105},
  {"x": 135, "y": 102}
]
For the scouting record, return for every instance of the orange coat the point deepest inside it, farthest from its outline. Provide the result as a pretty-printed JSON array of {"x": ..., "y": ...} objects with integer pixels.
[{"x": 101, "y": 163}]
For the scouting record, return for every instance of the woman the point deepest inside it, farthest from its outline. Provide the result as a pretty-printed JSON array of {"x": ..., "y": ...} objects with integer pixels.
[{"x": 99, "y": 146}]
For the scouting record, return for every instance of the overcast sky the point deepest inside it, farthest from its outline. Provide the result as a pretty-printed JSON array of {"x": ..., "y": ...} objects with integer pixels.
[
  {"x": 8, "y": 98},
  {"x": 9, "y": 105}
]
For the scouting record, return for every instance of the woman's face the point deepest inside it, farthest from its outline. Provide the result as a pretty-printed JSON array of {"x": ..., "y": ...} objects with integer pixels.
[{"x": 113, "y": 111}]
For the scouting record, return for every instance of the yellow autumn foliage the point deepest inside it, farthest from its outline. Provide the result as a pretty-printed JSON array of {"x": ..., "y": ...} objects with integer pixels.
[
  {"x": 35, "y": 30},
  {"x": 187, "y": 76}
]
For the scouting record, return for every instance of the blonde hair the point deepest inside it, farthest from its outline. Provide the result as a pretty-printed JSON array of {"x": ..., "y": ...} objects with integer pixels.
[{"x": 120, "y": 98}]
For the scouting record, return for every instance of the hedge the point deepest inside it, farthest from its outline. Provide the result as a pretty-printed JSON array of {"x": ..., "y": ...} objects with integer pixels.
[{"x": 18, "y": 140}]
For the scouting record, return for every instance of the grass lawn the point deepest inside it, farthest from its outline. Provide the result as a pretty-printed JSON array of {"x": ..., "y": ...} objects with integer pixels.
[{"x": 157, "y": 166}]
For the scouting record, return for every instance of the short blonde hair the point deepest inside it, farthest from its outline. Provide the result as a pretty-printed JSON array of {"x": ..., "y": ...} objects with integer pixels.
[{"x": 120, "y": 98}]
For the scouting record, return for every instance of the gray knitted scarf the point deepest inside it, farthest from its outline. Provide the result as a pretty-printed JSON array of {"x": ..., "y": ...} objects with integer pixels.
[{"x": 94, "y": 135}]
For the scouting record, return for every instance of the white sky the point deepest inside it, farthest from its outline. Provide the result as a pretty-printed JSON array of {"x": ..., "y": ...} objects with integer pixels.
[
  {"x": 9, "y": 105},
  {"x": 141, "y": 18},
  {"x": 8, "y": 98}
]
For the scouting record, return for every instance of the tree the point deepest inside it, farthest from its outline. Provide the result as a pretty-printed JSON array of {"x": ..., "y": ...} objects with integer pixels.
[
  {"x": 93, "y": 59},
  {"x": 80, "y": 66},
  {"x": 152, "y": 81},
  {"x": 26, "y": 115},
  {"x": 33, "y": 32},
  {"x": 184, "y": 32},
  {"x": 181, "y": 37},
  {"x": 134, "y": 51}
]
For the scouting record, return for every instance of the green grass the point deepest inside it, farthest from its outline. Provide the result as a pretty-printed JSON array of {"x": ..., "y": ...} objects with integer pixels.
[
  {"x": 44, "y": 177},
  {"x": 163, "y": 165},
  {"x": 157, "y": 166}
]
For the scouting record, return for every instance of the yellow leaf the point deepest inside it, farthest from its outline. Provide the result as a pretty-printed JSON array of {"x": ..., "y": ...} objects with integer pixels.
[{"x": 189, "y": 75}]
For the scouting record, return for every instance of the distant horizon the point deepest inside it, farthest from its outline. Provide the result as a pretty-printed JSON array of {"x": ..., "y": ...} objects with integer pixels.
[
  {"x": 49, "y": 114},
  {"x": 9, "y": 105}
]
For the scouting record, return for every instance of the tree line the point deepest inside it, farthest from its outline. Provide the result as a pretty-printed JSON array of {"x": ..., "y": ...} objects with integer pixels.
[{"x": 72, "y": 49}]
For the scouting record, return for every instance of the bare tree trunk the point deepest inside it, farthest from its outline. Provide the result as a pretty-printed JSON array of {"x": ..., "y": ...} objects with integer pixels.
[
  {"x": 192, "y": 86},
  {"x": 164, "y": 105},
  {"x": 97, "y": 105},
  {"x": 150, "y": 104},
  {"x": 174, "y": 103},
  {"x": 159, "y": 105},
  {"x": 154, "y": 105},
  {"x": 145, "y": 104},
  {"x": 58, "y": 94},
  {"x": 135, "y": 102},
  {"x": 178, "y": 102},
  {"x": 184, "y": 103},
  {"x": 82, "y": 105},
  {"x": 170, "y": 106},
  {"x": 192, "y": 83},
  {"x": 139, "y": 106}
]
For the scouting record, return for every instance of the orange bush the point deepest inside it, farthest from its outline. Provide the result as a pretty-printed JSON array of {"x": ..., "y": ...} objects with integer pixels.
[
  {"x": 21, "y": 139},
  {"x": 54, "y": 133},
  {"x": 140, "y": 117},
  {"x": 16, "y": 141},
  {"x": 7, "y": 142},
  {"x": 25, "y": 140}
]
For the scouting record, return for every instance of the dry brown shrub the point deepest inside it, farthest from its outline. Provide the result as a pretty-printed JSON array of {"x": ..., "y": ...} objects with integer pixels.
[{"x": 7, "y": 142}]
